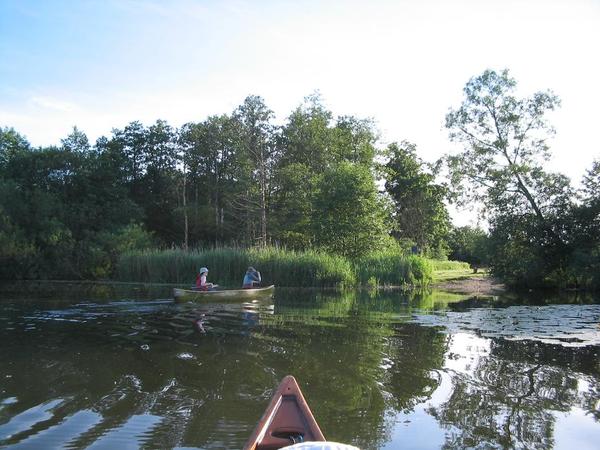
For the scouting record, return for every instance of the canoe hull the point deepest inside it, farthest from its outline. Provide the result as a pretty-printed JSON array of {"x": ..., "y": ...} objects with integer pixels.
[
  {"x": 188, "y": 295},
  {"x": 287, "y": 420}
]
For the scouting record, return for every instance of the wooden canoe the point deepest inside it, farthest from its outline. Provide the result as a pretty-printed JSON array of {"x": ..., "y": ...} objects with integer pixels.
[
  {"x": 286, "y": 421},
  {"x": 186, "y": 295}
]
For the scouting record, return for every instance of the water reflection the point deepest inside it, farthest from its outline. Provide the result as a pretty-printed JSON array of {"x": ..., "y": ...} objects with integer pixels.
[
  {"x": 379, "y": 369},
  {"x": 509, "y": 392}
]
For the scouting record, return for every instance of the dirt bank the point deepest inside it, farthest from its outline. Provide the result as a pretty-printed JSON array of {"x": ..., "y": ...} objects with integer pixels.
[{"x": 472, "y": 285}]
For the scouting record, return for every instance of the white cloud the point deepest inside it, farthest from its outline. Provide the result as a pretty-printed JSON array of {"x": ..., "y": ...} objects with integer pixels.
[{"x": 53, "y": 104}]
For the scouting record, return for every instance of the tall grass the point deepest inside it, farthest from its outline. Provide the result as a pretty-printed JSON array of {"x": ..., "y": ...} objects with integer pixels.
[
  {"x": 393, "y": 268},
  {"x": 227, "y": 267},
  {"x": 278, "y": 266},
  {"x": 437, "y": 264}
]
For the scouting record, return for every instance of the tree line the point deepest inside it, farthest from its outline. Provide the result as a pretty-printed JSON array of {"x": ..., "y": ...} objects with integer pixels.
[
  {"x": 237, "y": 179},
  {"x": 314, "y": 182}
]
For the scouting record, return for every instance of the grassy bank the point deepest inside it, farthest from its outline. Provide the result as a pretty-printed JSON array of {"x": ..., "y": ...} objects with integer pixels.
[
  {"x": 451, "y": 270},
  {"x": 282, "y": 267},
  {"x": 438, "y": 265}
]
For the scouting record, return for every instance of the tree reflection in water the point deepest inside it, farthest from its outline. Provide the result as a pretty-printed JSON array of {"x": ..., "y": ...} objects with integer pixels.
[{"x": 509, "y": 395}]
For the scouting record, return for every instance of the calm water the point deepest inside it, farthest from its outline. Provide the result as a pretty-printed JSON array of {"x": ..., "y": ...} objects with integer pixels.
[{"x": 115, "y": 367}]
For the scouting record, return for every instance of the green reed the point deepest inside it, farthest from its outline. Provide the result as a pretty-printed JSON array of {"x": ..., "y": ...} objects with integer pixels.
[
  {"x": 278, "y": 266},
  {"x": 393, "y": 268},
  {"x": 227, "y": 267}
]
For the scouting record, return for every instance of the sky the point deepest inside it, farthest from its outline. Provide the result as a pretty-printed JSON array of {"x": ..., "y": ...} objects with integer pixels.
[{"x": 100, "y": 64}]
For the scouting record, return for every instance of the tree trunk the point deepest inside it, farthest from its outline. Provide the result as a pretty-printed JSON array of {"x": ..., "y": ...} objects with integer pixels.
[
  {"x": 263, "y": 199},
  {"x": 249, "y": 234},
  {"x": 185, "y": 212},
  {"x": 532, "y": 202},
  {"x": 217, "y": 228}
]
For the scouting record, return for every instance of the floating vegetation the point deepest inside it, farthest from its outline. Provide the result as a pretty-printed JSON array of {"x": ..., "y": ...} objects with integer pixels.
[{"x": 552, "y": 324}]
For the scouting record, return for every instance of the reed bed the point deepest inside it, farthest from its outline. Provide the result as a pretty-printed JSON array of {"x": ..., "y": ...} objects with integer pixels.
[
  {"x": 227, "y": 267},
  {"x": 393, "y": 268},
  {"x": 278, "y": 266}
]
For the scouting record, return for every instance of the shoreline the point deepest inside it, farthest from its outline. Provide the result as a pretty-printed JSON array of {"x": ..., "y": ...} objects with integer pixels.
[
  {"x": 471, "y": 285},
  {"x": 482, "y": 285}
]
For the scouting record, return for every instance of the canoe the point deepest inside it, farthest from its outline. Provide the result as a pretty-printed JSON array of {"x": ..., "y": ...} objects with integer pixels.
[
  {"x": 287, "y": 420},
  {"x": 186, "y": 295}
]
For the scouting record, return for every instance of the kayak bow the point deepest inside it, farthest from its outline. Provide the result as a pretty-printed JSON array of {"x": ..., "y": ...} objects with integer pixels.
[{"x": 287, "y": 420}]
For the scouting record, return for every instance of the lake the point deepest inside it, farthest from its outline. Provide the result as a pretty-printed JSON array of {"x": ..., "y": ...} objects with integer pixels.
[{"x": 121, "y": 366}]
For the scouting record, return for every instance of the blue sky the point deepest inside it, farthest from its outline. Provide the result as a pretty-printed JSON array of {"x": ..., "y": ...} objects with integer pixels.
[{"x": 100, "y": 64}]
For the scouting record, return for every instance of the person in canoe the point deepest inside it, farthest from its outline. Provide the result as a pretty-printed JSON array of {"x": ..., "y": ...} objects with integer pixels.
[
  {"x": 252, "y": 278},
  {"x": 201, "y": 284}
]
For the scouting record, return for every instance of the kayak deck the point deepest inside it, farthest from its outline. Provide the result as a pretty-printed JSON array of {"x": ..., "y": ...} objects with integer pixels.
[
  {"x": 287, "y": 420},
  {"x": 230, "y": 294}
]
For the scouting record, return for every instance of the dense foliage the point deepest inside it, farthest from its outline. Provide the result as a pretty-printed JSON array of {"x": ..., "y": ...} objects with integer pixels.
[
  {"x": 420, "y": 215},
  {"x": 316, "y": 184},
  {"x": 469, "y": 244},
  {"x": 234, "y": 180}
]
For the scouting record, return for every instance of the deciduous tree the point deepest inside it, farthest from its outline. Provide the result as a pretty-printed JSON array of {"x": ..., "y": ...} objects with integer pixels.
[
  {"x": 420, "y": 214},
  {"x": 502, "y": 164},
  {"x": 349, "y": 218},
  {"x": 256, "y": 141},
  {"x": 505, "y": 146}
]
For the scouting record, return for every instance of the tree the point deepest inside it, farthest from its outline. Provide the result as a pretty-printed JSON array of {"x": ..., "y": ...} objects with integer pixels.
[
  {"x": 11, "y": 143},
  {"x": 591, "y": 183},
  {"x": 469, "y": 244},
  {"x": 77, "y": 141},
  {"x": 307, "y": 136},
  {"x": 420, "y": 214},
  {"x": 131, "y": 142},
  {"x": 502, "y": 164},
  {"x": 215, "y": 176},
  {"x": 257, "y": 142},
  {"x": 349, "y": 218},
  {"x": 584, "y": 232},
  {"x": 34, "y": 189},
  {"x": 147, "y": 160},
  {"x": 354, "y": 140},
  {"x": 159, "y": 182},
  {"x": 293, "y": 197},
  {"x": 505, "y": 146},
  {"x": 304, "y": 151},
  {"x": 310, "y": 144},
  {"x": 17, "y": 251}
]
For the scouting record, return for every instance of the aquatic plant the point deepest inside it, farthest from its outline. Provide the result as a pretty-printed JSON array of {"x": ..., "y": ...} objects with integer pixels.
[
  {"x": 279, "y": 266},
  {"x": 228, "y": 265},
  {"x": 393, "y": 268}
]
